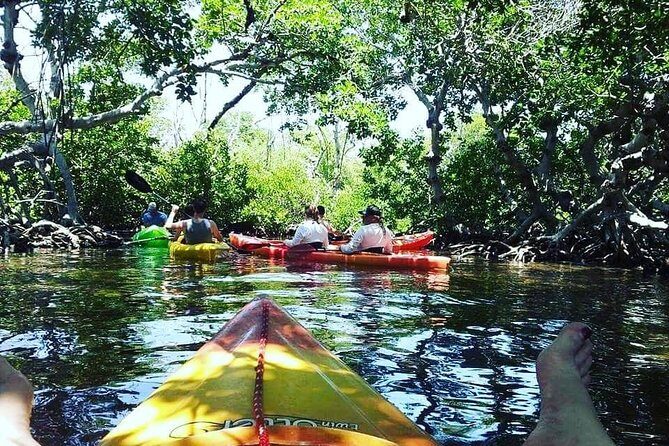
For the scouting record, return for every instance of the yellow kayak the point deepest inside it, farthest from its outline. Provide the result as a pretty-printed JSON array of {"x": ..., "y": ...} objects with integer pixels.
[
  {"x": 205, "y": 252},
  {"x": 264, "y": 380}
]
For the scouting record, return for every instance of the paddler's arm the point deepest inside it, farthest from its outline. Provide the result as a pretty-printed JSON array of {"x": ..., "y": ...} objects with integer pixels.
[
  {"x": 354, "y": 244},
  {"x": 215, "y": 232},
  {"x": 16, "y": 401},
  {"x": 170, "y": 224},
  {"x": 388, "y": 247},
  {"x": 297, "y": 238},
  {"x": 146, "y": 219}
]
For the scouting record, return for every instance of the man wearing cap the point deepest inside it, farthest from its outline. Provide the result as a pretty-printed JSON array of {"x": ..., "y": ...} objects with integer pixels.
[
  {"x": 373, "y": 236},
  {"x": 152, "y": 216}
]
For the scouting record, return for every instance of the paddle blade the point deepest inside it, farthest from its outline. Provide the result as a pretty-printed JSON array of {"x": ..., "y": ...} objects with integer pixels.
[{"x": 136, "y": 181}]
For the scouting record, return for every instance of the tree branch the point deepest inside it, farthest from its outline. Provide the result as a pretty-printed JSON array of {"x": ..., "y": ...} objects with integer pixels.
[
  {"x": 525, "y": 225},
  {"x": 550, "y": 143},
  {"x": 661, "y": 206},
  {"x": 639, "y": 218},
  {"x": 7, "y": 160},
  {"x": 225, "y": 73},
  {"x": 422, "y": 97},
  {"x": 594, "y": 207},
  {"x": 12, "y": 58},
  {"x": 587, "y": 149},
  {"x": 111, "y": 116},
  {"x": 230, "y": 104},
  {"x": 641, "y": 139}
]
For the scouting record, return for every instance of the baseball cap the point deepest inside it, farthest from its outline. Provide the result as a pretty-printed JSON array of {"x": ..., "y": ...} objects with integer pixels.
[{"x": 370, "y": 210}]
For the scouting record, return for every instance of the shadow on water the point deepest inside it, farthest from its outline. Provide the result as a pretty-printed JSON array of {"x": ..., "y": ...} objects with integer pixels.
[{"x": 98, "y": 332}]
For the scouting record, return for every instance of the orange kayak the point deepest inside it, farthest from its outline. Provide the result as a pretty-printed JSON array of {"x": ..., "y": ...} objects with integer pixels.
[
  {"x": 393, "y": 261},
  {"x": 264, "y": 380},
  {"x": 409, "y": 242}
]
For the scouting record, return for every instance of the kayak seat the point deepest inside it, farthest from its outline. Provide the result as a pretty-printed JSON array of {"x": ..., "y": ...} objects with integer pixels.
[{"x": 375, "y": 250}]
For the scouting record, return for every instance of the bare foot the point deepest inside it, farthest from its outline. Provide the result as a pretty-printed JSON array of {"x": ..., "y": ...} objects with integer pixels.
[
  {"x": 16, "y": 402},
  {"x": 567, "y": 415}
]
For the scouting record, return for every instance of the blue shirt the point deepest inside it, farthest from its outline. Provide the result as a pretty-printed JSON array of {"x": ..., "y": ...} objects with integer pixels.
[{"x": 150, "y": 218}]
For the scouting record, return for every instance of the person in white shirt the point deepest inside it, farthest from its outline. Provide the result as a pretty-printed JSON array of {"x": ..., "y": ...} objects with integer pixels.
[
  {"x": 310, "y": 231},
  {"x": 373, "y": 236}
]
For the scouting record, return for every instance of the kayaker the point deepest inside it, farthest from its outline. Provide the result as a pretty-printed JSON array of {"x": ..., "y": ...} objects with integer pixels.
[
  {"x": 310, "y": 231},
  {"x": 373, "y": 236},
  {"x": 152, "y": 216},
  {"x": 567, "y": 415},
  {"x": 332, "y": 234},
  {"x": 197, "y": 229}
]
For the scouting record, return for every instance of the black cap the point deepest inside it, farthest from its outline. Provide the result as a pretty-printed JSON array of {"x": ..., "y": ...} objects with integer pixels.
[{"x": 371, "y": 210}]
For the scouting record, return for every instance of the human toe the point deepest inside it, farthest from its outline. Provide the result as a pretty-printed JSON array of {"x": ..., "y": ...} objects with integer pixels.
[{"x": 572, "y": 338}]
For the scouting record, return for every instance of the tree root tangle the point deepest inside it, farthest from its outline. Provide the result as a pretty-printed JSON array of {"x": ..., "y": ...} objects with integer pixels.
[
  {"x": 631, "y": 249},
  {"x": 45, "y": 234}
]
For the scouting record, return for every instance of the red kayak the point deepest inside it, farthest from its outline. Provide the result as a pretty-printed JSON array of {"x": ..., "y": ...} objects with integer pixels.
[
  {"x": 413, "y": 242},
  {"x": 414, "y": 261},
  {"x": 409, "y": 242},
  {"x": 249, "y": 243}
]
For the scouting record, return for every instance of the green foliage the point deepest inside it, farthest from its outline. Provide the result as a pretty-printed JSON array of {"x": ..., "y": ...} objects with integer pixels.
[
  {"x": 343, "y": 204},
  {"x": 202, "y": 168},
  {"x": 283, "y": 179},
  {"x": 154, "y": 34},
  {"x": 300, "y": 44},
  {"x": 99, "y": 156},
  {"x": 281, "y": 191},
  {"x": 529, "y": 66},
  {"x": 397, "y": 182},
  {"x": 98, "y": 159},
  {"x": 473, "y": 173},
  {"x": 11, "y": 109},
  {"x": 282, "y": 186}
]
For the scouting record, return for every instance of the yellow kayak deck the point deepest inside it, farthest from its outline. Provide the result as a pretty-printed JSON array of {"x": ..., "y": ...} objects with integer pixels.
[
  {"x": 310, "y": 397},
  {"x": 205, "y": 252}
]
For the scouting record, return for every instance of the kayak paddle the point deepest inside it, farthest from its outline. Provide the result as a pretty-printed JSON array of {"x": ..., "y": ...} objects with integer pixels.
[
  {"x": 138, "y": 182},
  {"x": 134, "y": 242}
]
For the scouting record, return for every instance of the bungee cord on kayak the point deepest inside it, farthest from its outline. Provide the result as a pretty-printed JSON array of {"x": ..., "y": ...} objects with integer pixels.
[{"x": 258, "y": 390}]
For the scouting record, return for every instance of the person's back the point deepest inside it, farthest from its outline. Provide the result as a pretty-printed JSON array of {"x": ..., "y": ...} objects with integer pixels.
[
  {"x": 153, "y": 217},
  {"x": 197, "y": 231},
  {"x": 373, "y": 236},
  {"x": 310, "y": 231},
  {"x": 332, "y": 234}
]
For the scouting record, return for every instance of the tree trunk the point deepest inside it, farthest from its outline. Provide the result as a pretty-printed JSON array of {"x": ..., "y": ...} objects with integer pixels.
[
  {"x": 72, "y": 204},
  {"x": 50, "y": 212},
  {"x": 24, "y": 206},
  {"x": 12, "y": 64},
  {"x": 433, "y": 160}
]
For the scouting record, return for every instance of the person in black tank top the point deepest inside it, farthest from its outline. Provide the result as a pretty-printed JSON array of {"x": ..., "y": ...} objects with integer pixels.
[{"x": 196, "y": 229}]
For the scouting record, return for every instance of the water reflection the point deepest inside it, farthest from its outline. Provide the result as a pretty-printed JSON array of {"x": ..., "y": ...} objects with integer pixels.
[{"x": 98, "y": 331}]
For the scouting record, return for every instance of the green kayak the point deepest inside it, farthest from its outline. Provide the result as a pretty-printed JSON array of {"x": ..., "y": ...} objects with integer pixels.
[{"x": 152, "y": 237}]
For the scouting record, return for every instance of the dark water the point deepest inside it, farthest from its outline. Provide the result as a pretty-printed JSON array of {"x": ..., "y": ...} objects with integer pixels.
[{"x": 97, "y": 332}]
